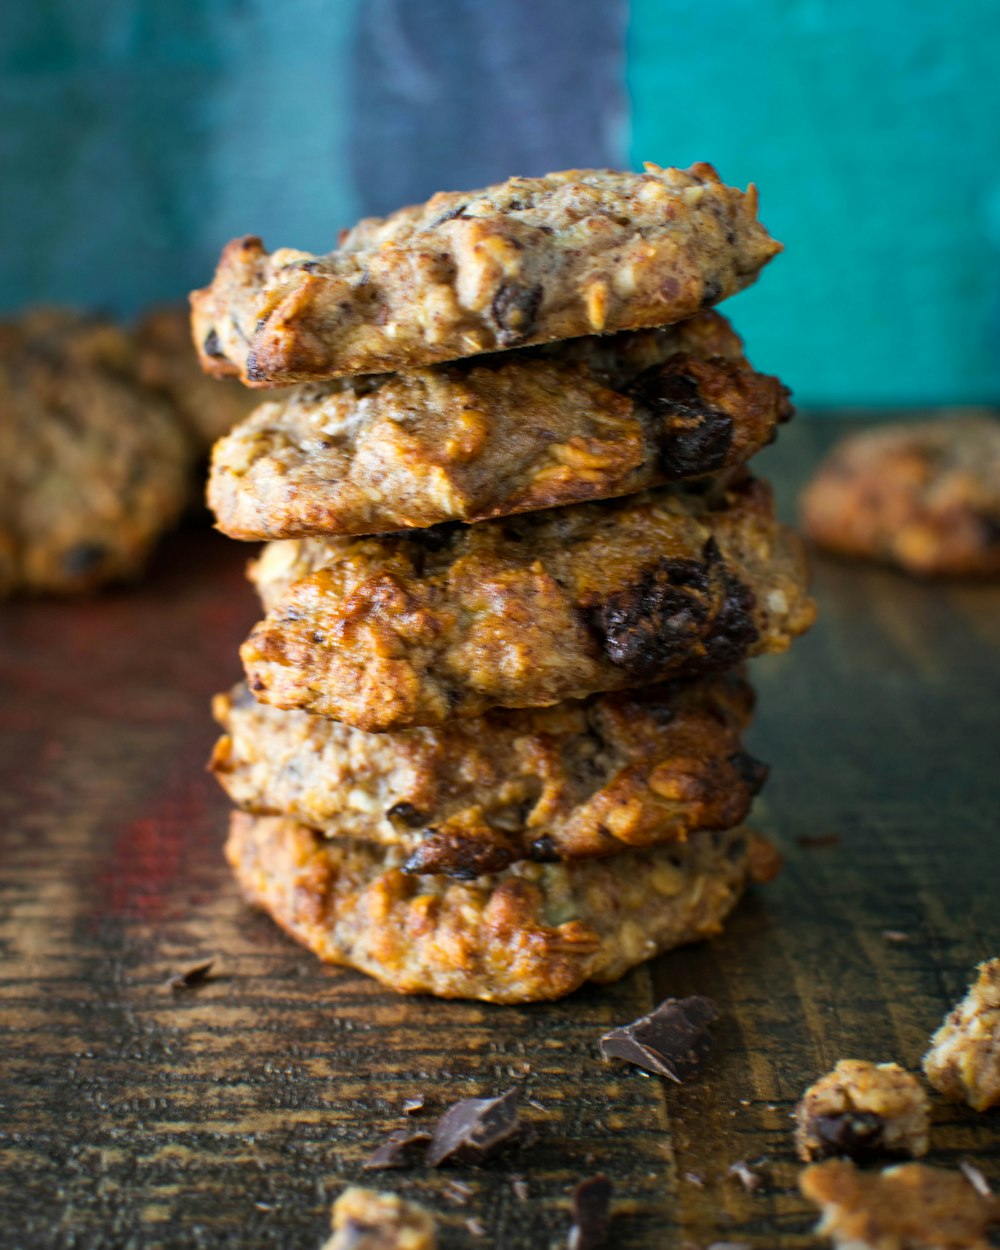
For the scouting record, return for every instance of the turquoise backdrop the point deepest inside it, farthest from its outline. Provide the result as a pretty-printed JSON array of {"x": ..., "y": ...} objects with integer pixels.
[{"x": 139, "y": 136}]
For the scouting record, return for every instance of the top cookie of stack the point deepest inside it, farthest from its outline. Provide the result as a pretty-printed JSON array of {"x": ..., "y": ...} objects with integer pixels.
[{"x": 503, "y": 401}]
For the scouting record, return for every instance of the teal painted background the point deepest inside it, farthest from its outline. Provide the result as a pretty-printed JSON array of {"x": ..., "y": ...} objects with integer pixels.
[
  {"x": 137, "y": 137},
  {"x": 872, "y": 128}
]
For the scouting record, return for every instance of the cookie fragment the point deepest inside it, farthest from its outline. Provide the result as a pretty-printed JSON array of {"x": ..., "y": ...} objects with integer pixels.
[
  {"x": 909, "y": 1207},
  {"x": 420, "y": 628},
  {"x": 631, "y": 769},
  {"x": 862, "y": 1109},
  {"x": 532, "y": 932},
  {"x": 924, "y": 496},
  {"x": 530, "y": 260},
  {"x": 672, "y": 1041},
  {"x": 473, "y": 1130},
  {"x": 364, "y": 1219},
  {"x": 963, "y": 1062}
]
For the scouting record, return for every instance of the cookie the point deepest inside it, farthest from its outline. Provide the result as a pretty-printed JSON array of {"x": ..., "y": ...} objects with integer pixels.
[
  {"x": 910, "y": 1207},
  {"x": 963, "y": 1062},
  {"x": 530, "y": 260},
  {"x": 93, "y": 466},
  {"x": 364, "y": 1219},
  {"x": 514, "y": 432},
  {"x": 924, "y": 496},
  {"x": 863, "y": 1109},
  {"x": 168, "y": 364},
  {"x": 419, "y": 628},
  {"x": 580, "y": 779},
  {"x": 532, "y": 932}
]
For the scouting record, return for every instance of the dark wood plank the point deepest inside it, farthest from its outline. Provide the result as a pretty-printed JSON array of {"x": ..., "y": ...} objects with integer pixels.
[{"x": 232, "y": 1114}]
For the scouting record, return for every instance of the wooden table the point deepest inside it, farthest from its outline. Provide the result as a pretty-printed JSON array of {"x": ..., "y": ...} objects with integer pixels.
[{"x": 232, "y": 1115}]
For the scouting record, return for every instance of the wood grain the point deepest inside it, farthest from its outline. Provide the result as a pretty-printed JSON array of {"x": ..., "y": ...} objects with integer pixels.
[{"x": 231, "y": 1115}]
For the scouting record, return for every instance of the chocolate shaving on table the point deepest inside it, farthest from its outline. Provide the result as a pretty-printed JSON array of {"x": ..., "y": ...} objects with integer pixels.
[
  {"x": 818, "y": 841},
  {"x": 895, "y": 935},
  {"x": 474, "y": 1129},
  {"x": 412, "y": 1105},
  {"x": 977, "y": 1180},
  {"x": 672, "y": 1041},
  {"x": 591, "y": 1213},
  {"x": 476, "y": 1227},
  {"x": 749, "y": 1179},
  {"x": 399, "y": 1150},
  {"x": 188, "y": 978},
  {"x": 520, "y": 1188},
  {"x": 458, "y": 1192}
]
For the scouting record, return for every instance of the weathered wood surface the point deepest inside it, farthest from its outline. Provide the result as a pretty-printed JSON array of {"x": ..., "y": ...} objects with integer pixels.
[{"x": 231, "y": 1115}]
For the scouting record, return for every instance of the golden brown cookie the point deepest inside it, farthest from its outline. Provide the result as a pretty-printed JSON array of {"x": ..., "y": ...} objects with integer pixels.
[
  {"x": 364, "y": 1219},
  {"x": 420, "y": 628},
  {"x": 511, "y": 432},
  {"x": 534, "y": 931},
  {"x": 862, "y": 1109},
  {"x": 530, "y": 260},
  {"x": 964, "y": 1059},
  {"x": 580, "y": 779},
  {"x": 910, "y": 1207},
  {"x": 93, "y": 466},
  {"x": 923, "y": 495}
]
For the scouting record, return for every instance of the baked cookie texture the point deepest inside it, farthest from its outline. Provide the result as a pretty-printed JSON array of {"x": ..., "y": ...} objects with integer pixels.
[
  {"x": 862, "y": 1109},
  {"x": 909, "y": 1207},
  {"x": 514, "y": 432},
  {"x": 426, "y": 626},
  {"x": 168, "y": 364},
  {"x": 581, "y": 779},
  {"x": 364, "y": 1219},
  {"x": 963, "y": 1062},
  {"x": 923, "y": 495},
  {"x": 93, "y": 465},
  {"x": 526, "y": 261},
  {"x": 532, "y": 932}
]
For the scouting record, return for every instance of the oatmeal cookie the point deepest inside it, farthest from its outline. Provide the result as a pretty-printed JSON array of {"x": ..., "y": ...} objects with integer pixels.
[
  {"x": 168, "y": 364},
  {"x": 963, "y": 1062},
  {"x": 530, "y": 260},
  {"x": 534, "y": 931},
  {"x": 518, "y": 431},
  {"x": 909, "y": 1207},
  {"x": 364, "y": 1219},
  {"x": 862, "y": 1109},
  {"x": 421, "y": 627},
  {"x": 93, "y": 466},
  {"x": 924, "y": 496},
  {"x": 580, "y": 779}
]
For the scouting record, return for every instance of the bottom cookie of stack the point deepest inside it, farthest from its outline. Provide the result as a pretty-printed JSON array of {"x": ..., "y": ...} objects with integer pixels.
[{"x": 533, "y": 931}]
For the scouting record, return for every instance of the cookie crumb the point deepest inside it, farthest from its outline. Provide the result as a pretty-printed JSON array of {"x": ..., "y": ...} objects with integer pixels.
[
  {"x": 963, "y": 1062},
  {"x": 861, "y": 1109}
]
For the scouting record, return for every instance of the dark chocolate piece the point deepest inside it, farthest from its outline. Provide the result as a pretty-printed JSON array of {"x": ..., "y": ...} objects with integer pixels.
[
  {"x": 854, "y": 1133},
  {"x": 412, "y": 1105},
  {"x": 671, "y": 1041},
  {"x": 474, "y": 1129},
  {"x": 399, "y": 1150},
  {"x": 591, "y": 1213},
  {"x": 188, "y": 978}
]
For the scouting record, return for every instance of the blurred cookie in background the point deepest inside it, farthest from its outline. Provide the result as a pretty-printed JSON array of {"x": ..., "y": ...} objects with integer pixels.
[
  {"x": 924, "y": 496},
  {"x": 94, "y": 465}
]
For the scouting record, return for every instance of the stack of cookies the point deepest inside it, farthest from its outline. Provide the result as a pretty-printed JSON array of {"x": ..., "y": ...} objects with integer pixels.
[{"x": 489, "y": 740}]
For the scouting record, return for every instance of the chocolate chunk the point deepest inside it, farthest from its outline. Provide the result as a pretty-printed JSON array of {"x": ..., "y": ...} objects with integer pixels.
[
  {"x": 83, "y": 558},
  {"x": 711, "y": 293},
  {"x": 474, "y": 1129},
  {"x": 253, "y": 370},
  {"x": 543, "y": 850},
  {"x": 412, "y": 1105},
  {"x": 407, "y": 815},
  {"x": 669, "y": 612},
  {"x": 671, "y": 1041},
  {"x": 514, "y": 309},
  {"x": 399, "y": 1150},
  {"x": 212, "y": 347},
  {"x": 464, "y": 859},
  {"x": 753, "y": 771},
  {"x": 449, "y": 216},
  {"x": 188, "y": 978},
  {"x": 591, "y": 1213},
  {"x": 857, "y": 1134},
  {"x": 692, "y": 436}
]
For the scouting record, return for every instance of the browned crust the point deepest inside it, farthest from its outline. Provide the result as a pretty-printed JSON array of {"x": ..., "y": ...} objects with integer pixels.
[
  {"x": 577, "y": 780},
  {"x": 93, "y": 466},
  {"x": 522, "y": 430},
  {"x": 861, "y": 1109},
  {"x": 530, "y": 260},
  {"x": 963, "y": 1062},
  {"x": 536, "y": 931},
  {"x": 924, "y": 496},
  {"x": 910, "y": 1207},
  {"x": 417, "y": 629}
]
